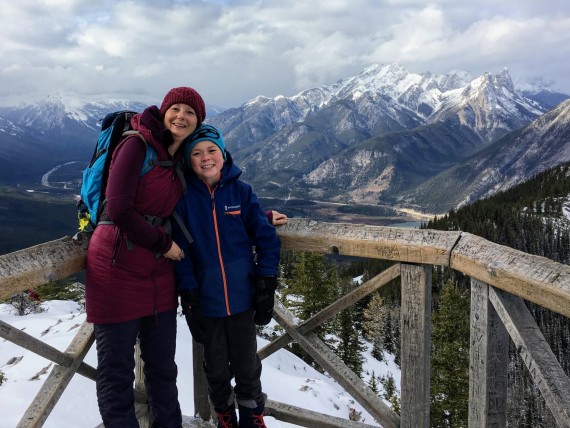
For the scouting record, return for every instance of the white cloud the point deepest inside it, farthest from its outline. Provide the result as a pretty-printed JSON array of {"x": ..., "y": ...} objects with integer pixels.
[{"x": 232, "y": 51}]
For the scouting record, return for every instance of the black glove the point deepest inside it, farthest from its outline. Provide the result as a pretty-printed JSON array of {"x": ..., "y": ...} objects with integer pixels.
[
  {"x": 264, "y": 300},
  {"x": 190, "y": 301}
]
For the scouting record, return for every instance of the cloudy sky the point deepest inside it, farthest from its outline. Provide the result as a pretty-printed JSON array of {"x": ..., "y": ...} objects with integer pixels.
[{"x": 234, "y": 50}]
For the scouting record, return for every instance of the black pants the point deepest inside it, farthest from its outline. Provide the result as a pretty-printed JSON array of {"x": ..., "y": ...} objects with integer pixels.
[
  {"x": 231, "y": 350},
  {"x": 115, "y": 370}
]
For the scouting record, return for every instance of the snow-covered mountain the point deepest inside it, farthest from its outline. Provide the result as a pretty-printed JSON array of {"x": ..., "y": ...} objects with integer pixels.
[
  {"x": 369, "y": 138},
  {"x": 59, "y": 111},
  {"x": 402, "y": 99},
  {"x": 488, "y": 105},
  {"x": 536, "y": 147},
  {"x": 366, "y": 139},
  {"x": 37, "y": 135}
]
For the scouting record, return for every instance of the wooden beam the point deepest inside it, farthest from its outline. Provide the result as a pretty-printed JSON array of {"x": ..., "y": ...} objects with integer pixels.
[
  {"x": 488, "y": 362},
  {"x": 38, "y": 265},
  {"x": 308, "y": 418},
  {"x": 42, "y": 349},
  {"x": 534, "y": 278},
  {"x": 58, "y": 379},
  {"x": 543, "y": 367},
  {"x": 415, "y": 344},
  {"x": 338, "y": 370},
  {"x": 427, "y": 246},
  {"x": 330, "y": 311},
  {"x": 50, "y": 353}
]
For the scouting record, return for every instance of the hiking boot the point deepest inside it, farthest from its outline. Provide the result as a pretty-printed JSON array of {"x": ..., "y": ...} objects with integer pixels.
[
  {"x": 251, "y": 418},
  {"x": 228, "y": 419}
]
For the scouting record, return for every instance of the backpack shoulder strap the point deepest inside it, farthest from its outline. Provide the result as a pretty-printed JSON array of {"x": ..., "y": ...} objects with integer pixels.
[
  {"x": 150, "y": 156},
  {"x": 150, "y": 160},
  {"x": 183, "y": 227},
  {"x": 137, "y": 133}
]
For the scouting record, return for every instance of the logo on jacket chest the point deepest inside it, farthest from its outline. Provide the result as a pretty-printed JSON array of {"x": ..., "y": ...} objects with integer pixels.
[{"x": 232, "y": 209}]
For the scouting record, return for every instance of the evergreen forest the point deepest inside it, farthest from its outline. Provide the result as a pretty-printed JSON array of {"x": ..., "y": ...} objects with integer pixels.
[{"x": 531, "y": 217}]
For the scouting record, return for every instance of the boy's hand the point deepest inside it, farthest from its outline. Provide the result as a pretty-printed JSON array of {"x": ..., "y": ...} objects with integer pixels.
[
  {"x": 278, "y": 218},
  {"x": 190, "y": 301},
  {"x": 264, "y": 299}
]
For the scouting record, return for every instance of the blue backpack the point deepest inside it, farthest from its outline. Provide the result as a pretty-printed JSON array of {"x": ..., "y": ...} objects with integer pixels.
[{"x": 114, "y": 127}]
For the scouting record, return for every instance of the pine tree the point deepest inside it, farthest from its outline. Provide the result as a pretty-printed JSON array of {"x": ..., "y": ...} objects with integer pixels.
[
  {"x": 350, "y": 346},
  {"x": 373, "y": 383},
  {"x": 372, "y": 327},
  {"x": 390, "y": 392},
  {"x": 450, "y": 359},
  {"x": 382, "y": 327},
  {"x": 309, "y": 290}
]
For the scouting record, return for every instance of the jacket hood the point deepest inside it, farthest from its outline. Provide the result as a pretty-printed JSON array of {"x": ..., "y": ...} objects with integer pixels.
[
  {"x": 150, "y": 125},
  {"x": 230, "y": 171}
]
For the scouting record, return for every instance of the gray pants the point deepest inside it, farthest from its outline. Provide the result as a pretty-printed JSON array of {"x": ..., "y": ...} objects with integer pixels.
[{"x": 231, "y": 351}]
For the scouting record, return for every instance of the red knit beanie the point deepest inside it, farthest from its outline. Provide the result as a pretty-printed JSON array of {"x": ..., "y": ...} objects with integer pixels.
[{"x": 188, "y": 96}]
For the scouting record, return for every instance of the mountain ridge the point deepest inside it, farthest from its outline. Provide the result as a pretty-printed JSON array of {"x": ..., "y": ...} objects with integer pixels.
[
  {"x": 373, "y": 138},
  {"x": 374, "y": 122},
  {"x": 520, "y": 155}
]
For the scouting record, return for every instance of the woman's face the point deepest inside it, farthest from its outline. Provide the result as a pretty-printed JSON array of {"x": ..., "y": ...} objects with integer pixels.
[{"x": 181, "y": 120}]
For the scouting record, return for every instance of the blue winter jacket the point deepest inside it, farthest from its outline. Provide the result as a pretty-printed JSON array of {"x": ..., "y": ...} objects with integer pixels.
[{"x": 227, "y": 223}]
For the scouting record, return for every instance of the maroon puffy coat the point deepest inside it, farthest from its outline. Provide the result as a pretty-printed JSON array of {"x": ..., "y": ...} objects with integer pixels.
[{"x": 124, "y": 284}]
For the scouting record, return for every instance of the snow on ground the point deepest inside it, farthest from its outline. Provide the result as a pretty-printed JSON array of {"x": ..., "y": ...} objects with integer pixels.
[{"x": 285, "y": 377}]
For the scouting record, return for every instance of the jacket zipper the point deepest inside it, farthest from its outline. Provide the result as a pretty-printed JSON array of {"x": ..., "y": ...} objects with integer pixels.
[{"x": 224, "y": 281}]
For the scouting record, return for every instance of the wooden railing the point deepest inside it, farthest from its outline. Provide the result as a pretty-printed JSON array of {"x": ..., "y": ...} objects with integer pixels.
[{"x": 500, "y": 279}]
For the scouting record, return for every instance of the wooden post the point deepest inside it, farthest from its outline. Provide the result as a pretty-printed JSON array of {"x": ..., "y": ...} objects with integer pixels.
[
  {"x": 488, "y": 362},
  {"x": 416, "y": 344},
  {"x": 142, "y": 409},
  {"x": 201, "y": 402},
  {"x": 533, "y": 278},
  {"x": 40, "y": 264}
]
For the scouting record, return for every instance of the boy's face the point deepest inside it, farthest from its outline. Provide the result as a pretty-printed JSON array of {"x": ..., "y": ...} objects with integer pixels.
[
  {"x": 207, "y": 160},
  {"x": 181, "y": 120}
]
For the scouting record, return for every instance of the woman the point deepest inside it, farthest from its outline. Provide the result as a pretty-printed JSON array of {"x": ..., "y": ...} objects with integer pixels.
[{"x": 130, "y": 287}]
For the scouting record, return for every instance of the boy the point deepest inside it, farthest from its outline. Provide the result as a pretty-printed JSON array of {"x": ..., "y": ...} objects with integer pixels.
[{"x": 224, "y": 290}]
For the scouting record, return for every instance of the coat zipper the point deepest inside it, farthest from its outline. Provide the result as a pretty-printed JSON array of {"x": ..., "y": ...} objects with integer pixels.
[{"x": 224, "y": 281}]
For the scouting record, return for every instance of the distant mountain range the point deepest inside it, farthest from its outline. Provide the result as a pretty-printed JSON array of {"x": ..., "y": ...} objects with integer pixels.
[
  {"x": 385, "y": 136},
  {"x": 36, "y": 137},
  {"x": 513, "y": 159}
]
